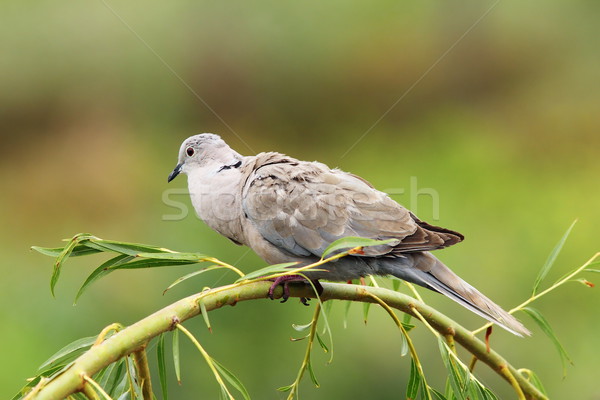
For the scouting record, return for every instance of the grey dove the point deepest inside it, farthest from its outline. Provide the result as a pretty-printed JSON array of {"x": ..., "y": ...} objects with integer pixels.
[{"x": 288, "y": 210}]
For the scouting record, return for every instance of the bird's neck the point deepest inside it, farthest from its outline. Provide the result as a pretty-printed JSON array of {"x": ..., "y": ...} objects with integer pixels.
[{"x": 225, "y": 159}]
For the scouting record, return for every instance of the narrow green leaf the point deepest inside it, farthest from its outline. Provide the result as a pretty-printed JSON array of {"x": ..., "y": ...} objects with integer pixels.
[
  {"x": 366, "y": 308},
  {"x": 313, "y": 377},
  {"x": 584, "y": 282},
  {"x": 104, "y": 376},
  {"x": 131, "y": 249},
  {"x": 100, "y": 272},
  {"x": 592, "y": 270},
  {"x": 425, "y": 392},
  {"x": 232, "y": 379},
  {"x": 223, "y": 394},
  {"x": 448, "y": 389},
  {"x": 150, "y": 263},
  {"x": 77, "y": 396},
  {"x": 101, "y": 375},
  {"x": 204, "y": 314},
  {"x": 118, "y": 376},
  {"x": 72, "y": 349},
  {"x": 347, "y": 305},
  {"x": 176, "y": 355},
  {"x": 594, "y": 264},
  {"x": 327, "y": 308},
  {"x": 406, "y": 321},
  {"x": 551, "y": 258},
  {"x": 63, "y": 256},
  {"x": 271, "y": 269},
  {"x": 299, "y": 339},
  {"x": 414, "y": 381},
  {"x": 134, "y": 384},
  {"x": 403, "y": 345},
  {"x": 545, "y": 327},
  {"x": 351, "y": 242},
  {"x": 475, "y": 391},
  {"x": 322, "y": 343},
  {"x": 33, "y": 382},
  {"x": 407, "y": 327},
  {"x": 437, "y": 394},
  {"x": 79, "y": 250},
  {"x": 162, "y": 368},
  {"x": 126, "y": 395},
  {"x": 535, "y": 381},
  {"x": 193, "y": 257},
  {"x": 191, "y": 275},
  {"x": 285, "y": 388},
  {"x": 489, "y": 395},
  {"x": 300, "y": 328},
  {"x": 456, "y": 381}
]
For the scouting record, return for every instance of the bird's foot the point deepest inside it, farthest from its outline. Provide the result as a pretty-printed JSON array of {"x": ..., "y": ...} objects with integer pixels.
[{"x": 285, "y": 280}]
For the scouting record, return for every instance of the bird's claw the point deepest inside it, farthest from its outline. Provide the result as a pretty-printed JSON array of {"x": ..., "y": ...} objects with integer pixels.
[{"x": 284, "y": 281}]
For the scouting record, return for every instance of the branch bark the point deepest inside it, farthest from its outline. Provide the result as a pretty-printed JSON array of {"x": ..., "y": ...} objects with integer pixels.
[{"x": 136, "y": 336}]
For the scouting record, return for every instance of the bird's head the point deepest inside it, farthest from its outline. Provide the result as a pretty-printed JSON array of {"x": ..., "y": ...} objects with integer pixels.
[{"x": 199, "y": 150}]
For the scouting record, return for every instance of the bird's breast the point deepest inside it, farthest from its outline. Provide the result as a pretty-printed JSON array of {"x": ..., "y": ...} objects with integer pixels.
[{"x": 217, "y": 202}]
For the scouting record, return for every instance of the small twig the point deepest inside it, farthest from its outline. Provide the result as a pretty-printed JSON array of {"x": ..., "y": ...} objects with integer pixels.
[
  {"x": 325, "y": 318},
  {"x": 306, "y": 360},
  {"x": 536, "y": 296},
  {"x": 472, "y": 363},
  {"x": 513, "y": 382},
  {"x": 450, "y": 342},
  {"x": 112, "y": 327},
  {"x": 36, "y": 388},
  {"x": 207, "y": 357},
  {"x": 414, "y": 291},
  {"x": 89, "y": 391},
  {"x": 143, "y": 372},
  {"x": 224, "y": 264}
]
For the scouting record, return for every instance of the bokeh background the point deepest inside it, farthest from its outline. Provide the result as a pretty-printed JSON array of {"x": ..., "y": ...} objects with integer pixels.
[{"x": 494, "y": 106}]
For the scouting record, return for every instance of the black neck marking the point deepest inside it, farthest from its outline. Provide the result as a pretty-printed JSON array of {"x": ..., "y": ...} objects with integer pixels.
[{"x": 236, "y": 165}]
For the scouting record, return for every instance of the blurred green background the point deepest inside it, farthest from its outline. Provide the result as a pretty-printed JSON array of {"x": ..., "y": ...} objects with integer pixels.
[{"x": 496, "y": 110}]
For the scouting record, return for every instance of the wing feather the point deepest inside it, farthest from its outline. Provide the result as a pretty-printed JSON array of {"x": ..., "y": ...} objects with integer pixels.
[{"x": 302, "y": 207}]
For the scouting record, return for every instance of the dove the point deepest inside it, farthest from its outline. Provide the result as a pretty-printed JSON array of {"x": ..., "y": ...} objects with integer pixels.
[{"x": 287, "y": 210}]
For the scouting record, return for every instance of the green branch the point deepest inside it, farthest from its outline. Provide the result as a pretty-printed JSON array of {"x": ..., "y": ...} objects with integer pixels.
[{"x": 136, "y": 336}]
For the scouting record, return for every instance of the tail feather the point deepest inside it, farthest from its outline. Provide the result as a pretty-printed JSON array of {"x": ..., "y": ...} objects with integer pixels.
[{"x": 427, "y": 271}]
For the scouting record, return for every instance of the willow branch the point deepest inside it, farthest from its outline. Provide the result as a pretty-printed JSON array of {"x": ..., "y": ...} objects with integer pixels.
[{"x": 136, "y": 336}]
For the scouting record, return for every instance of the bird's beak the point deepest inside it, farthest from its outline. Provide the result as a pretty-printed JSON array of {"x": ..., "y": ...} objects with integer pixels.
[{"x": 175, "y": 172}]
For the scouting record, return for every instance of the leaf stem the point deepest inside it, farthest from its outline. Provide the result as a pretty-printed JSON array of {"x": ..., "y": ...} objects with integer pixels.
[
  {"x": 112, "y": 327},
  {"x": 208, "y": 359},
  {"x": 513, "y": 382},
  {"x": 224, "y": 264},
  {"x": 306, "y": 360},
  {"x": 89, "y": 391}
]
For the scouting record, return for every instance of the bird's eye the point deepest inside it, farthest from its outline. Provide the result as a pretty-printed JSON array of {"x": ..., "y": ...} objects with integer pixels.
[{"x": 189, "y": 151}]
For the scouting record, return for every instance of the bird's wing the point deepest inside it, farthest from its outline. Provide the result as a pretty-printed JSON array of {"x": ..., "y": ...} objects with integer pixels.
[{"x": 302, "y": 207}]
